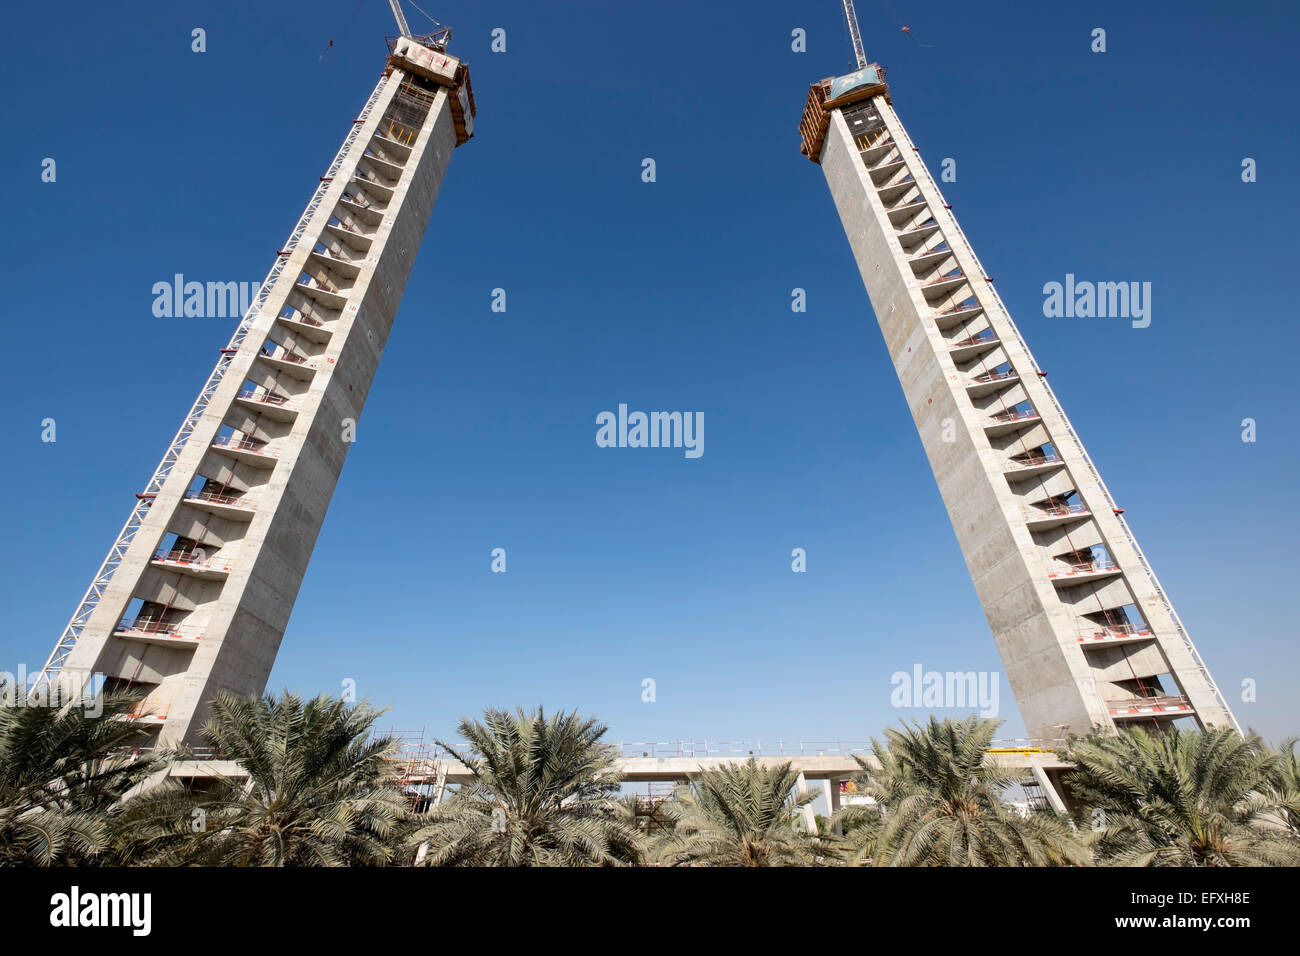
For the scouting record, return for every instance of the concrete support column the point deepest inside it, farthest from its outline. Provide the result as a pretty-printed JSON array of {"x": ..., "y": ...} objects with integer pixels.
[
  {"x": 440, "y": 786},
  {"x": 983, "y": 411},
  {"x": 809, "y": 818},
  {"x": 831, "y": 788},
  {"x": 1049, "y": 788}
]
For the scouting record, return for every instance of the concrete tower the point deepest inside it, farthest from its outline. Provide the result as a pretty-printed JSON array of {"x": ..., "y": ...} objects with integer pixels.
[
  {"x": 196, "y": 592},
  {"x": 1087, "y": 635}
]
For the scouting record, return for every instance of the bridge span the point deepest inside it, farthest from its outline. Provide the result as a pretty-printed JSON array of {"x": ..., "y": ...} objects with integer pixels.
[{"x": 431, "y": 769}]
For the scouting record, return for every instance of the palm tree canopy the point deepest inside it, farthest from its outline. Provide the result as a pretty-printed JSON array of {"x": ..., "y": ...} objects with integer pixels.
[
  {"x": 742, "y": 814},
  {"x": 1287, "y": 786},
  {"x": 1181, "y": 798},
  {"x": 543, "y": 794},
  {"x": 319, "y": 790},
  {"x": 63, "y": 772},
  {"x": 939, "y": 803}
]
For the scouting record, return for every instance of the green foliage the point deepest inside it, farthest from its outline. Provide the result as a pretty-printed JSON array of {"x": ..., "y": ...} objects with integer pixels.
[
  {"x": 1180, "y": 798},
  {"x": 1286, "y": 789},
  {"x": 63, "y": 774},
  {"x": 318, "y": 791},
  {"x": 544, "y": 794},
  {"x": 938, "y": 802},
  {"x": 742, "y": 815}
]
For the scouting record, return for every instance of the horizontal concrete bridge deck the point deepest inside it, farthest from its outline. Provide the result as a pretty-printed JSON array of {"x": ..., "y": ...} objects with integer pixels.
[{"x": 675, "y": 766}]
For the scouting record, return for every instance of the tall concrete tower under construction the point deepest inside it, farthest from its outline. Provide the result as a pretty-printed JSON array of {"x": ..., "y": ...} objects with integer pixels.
[
  {"x": 1087, "y": 635},
  {"x": 195, "y": 594}
]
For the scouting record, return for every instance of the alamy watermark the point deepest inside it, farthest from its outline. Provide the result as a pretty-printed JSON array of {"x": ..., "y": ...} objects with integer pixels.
[
  {"x": 202, "y": 300},
  {"x": 22, "y": 690},
  {"x": 653, "y": 430},
  {"x": 1102, "y": 300},
  {"x": 930, "y": 689},
  {"x": 75, "y": 908}
]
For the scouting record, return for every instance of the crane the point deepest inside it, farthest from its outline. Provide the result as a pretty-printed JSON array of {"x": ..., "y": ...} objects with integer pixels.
[
  {"x": 437, "y": 40},
  {"x": 849, "y": 14},
  {"x": 401, "y": 17}
]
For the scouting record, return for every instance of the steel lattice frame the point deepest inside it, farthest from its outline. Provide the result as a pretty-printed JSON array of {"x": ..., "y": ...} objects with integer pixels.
[{"x": 68, "y": 639}]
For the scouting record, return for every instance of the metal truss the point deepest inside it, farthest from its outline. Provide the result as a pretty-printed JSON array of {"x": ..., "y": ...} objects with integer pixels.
[{"x": 68, "y": 639}]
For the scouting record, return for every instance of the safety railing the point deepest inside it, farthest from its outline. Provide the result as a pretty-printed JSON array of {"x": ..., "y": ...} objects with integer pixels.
[
  {"x": 311, "y": 282},
  {"x": 213, "y": 497},
  {"x": 135, "y": 753},
  {"x": 1053, "y": 511},
  {"x": 901, "y": 206},
  {"x": 1033, "y": 461},
  {"x": 1013, "y": 416},
  {"x": 979, "y": 338},
  {"x": 1109, "y": 632},
  {"x": 141, "y": 625},
  {"x": 740, "y": 748},
  {"x": 305, "y": 317},
  {"x": 282, "y": 354},
  {"x": 332, "y": 255},
  {"x": 958, "y": 309},
  {"x": 181, "y": 557},
  {"x": 239, "y": 444},
  {"x": 265, "y": 398},
  {"x": 953, "y": 276},
  {"x": 912, "y": 227},
  {"x": 780, "y": 747},
  {"x": 1161, "y": 701},
  {"x": 932, "y": 251},
  {"x": 338, "y": 223},
  {"x": 420, "y": 760},
  {"x": 1084, "y": 567}
]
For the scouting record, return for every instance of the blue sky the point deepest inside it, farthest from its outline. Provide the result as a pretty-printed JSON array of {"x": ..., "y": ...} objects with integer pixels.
[{"x": 479, "y": 432}]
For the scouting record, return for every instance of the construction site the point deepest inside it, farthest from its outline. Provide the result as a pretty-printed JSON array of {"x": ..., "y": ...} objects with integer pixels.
[
  {"x": 196, "y": 593},
  {"x": 1086, "y": 633},
  {"x": 197, "y": 590}
]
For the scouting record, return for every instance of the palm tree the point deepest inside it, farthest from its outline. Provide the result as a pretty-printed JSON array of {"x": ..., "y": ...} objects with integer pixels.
[
  {"x": 318, "y": 791},
  {"x": 1181, "y": 798},
  {"x": 543, "y": 794},
  {"x": 63, "y": 773},
  {"x": 939, "y": 803},
  {"x": 742, "y": 815},
  {"x": 1287, "y": 787},
  {"x": 884, "y": 785}
]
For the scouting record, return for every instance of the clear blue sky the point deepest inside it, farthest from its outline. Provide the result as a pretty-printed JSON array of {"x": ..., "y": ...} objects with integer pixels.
[{"x": 479, "y": 433}]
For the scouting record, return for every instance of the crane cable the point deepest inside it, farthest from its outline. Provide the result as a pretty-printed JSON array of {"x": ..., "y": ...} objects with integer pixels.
[{"x": 427, "y": 17}]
